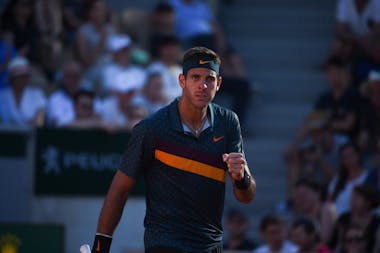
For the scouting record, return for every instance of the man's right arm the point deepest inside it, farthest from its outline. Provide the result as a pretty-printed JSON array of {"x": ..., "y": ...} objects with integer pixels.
[{"x": 112, "y": 210}]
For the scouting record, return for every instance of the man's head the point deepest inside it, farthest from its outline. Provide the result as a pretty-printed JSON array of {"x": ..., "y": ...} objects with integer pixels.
[
  {"x": 273, "y": 231},
  {"x": 84, "y": 104},
  {"x": 304, "y": 233},
  {"x": 307, "y": 196},
  {"x": 237, "y": 224},
  {"x": 19, "y": 72},
  {"x": 71, "y": 76},
  {"x": 119, "y": 46},
  {"x": 337, "y": 74},
  {"x": 200, "y": 79}
]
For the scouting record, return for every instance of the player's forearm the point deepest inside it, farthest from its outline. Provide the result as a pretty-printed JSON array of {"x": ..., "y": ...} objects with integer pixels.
[
  {"x": 246, "y": 196},
  {"x": 110, "y": 214},
  {"x": 245, "y": 192},
  {"x": 114, "y": 203}
]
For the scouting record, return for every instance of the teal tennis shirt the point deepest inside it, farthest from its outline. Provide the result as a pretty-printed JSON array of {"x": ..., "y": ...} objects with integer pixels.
[{"x": 184, "y": 176}]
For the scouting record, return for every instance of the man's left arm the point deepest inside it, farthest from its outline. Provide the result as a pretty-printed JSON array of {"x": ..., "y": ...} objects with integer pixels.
[{"x": 244, "y": 185}]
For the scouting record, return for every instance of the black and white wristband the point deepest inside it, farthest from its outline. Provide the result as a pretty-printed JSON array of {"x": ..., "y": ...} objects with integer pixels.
[
  {"x": 243, "y": 183},
  {"x": 102, "y": 243}
]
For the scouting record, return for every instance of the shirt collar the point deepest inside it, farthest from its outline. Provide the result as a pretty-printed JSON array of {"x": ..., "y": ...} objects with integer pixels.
[{"x": 175, "y": 119}]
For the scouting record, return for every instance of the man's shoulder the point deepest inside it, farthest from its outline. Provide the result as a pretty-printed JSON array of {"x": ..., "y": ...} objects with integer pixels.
[{"x": 223, "y": 113}]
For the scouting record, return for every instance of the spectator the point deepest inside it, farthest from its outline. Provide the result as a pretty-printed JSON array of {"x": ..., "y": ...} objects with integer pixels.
[
  {"x": 162, "y": 22},
  {"x": 49, "y": 24},
  {"x": 308, "y": 202},
  {"x": 350, "y": 174},
  {"x": 237, "y": 226},
  {"x": 20, "y": 104},
  {"x": 364, "y": 199},
  {"x": 167, "y": 64},
  {"x": 369, "y": 120},
  {"x": 85, "y": 116},
  {"x": 152, "y": 96},
  {"x": 195, "y": 25},
  {"x": 357, "y": 22},
  {"x": 353, "y": 240},
  {"x": 314, "y": 152},
  {"x": 92, "y": 38},
  {"x": 340, "y": 101},
  {"x": 120, "y": 71},
  {"x": 60, "y": 108},
  {"x": 236, "y": 84},
  {"x": 273, "y": 231},
  {"x": 19, "y": 28},
  {"x": 72, "y": 19},
  {"x": 306, "y": 236}
]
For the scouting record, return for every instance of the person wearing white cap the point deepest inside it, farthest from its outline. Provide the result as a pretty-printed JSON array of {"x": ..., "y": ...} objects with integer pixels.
[
  {"x": 20, "y": 104},
  {"x": 120, "y": 73}
]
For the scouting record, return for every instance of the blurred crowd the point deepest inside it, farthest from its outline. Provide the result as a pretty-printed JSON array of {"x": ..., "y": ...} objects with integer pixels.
[
  {"x": 333, "y": 161},
  {"x": 77, "y": 63}
]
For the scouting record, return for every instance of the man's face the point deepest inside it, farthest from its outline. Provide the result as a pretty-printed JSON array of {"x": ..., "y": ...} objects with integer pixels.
[
  {"x": 274, "y": 235},
  {"x": 199, "y": 86},
  {"x": 84, "y": 107}
]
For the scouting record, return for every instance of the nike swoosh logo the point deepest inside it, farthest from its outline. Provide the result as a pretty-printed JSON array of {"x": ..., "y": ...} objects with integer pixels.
[
  {"x": 98, "y": 247},
  {"x": 203, "y": 62},
  {"x": 216, "y": 139}
]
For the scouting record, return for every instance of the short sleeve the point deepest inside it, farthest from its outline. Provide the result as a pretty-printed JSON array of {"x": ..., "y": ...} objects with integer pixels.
[
  {"x": 139, "y": 151},
  {"x": 235, "y": 140},
  {"x": 376, "y": 10}
]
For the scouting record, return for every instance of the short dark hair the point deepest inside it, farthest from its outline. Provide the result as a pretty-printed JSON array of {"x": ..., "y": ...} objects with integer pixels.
[
  {"x": 270, "y": 219},
  {"x": 163, "y": 7},
  {"x": 83, "y": 93}
]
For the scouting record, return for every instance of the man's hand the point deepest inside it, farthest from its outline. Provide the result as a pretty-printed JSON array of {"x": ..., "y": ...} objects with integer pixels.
[{"x": 236, "y": 164}]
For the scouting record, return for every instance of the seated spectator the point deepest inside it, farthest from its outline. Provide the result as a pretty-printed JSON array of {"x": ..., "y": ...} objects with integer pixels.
[
  {"x": 91, "y": 40},
  {"x": 340, "y": 101},
  {"x": 120, "y": 71},
  {"x": 20, "y": 104},
  {"x": 314, "y": 152},
  {"x": 273, "y": 230},
  {"x": 60, "y": 109},
  {"x": 19, "y": 27},
  {"x": 49, "y": 24},
  {"x": 168, "y": 65},
  {"x": 152, "y": 96},
  {"x": 196, "y": 25},
  {"x": 85, "y": 116},
  {"x": 72, "y": 19},
  {"x": 237, "y": 227},
  {"x": 308, "y": 202},
  {"x": 353, "y": 240},
  {"x": 357, "y": 23},
  {"x": 117, "y": 110},
  {"x": 236, "y": 85},
  {"x": 369, "y": 120},
  {"x": 365, "y": 198},
  {"x": 162, "y": 21},
  {"x": 350, "y": 174},
  {"x": 305, "y": 234}
]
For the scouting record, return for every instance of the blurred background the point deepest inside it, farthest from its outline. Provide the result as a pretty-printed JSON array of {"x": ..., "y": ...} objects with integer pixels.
[{"x": 303, "y": 77}]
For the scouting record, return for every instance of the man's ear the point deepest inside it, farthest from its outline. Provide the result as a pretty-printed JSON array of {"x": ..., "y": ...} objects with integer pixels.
[
  {"x": 181, "y": 79},
  {"x": 219, "y": 83}
]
